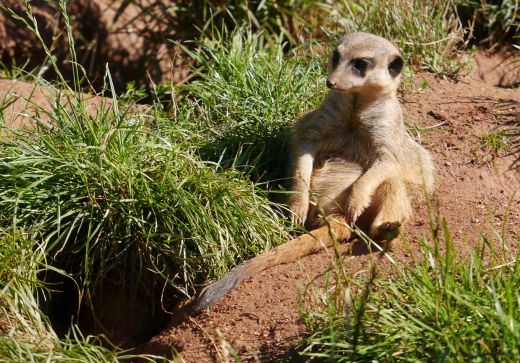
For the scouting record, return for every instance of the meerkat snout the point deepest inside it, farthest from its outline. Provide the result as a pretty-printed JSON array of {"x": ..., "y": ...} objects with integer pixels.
[{"x": 331, "y": 83}]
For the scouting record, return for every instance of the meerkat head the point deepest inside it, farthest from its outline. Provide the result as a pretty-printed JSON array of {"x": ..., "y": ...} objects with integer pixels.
[{"x": 364, "y": 63}]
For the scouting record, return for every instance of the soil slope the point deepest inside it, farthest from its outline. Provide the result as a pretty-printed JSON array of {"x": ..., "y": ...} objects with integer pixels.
[{"x": 476, "y": 191}]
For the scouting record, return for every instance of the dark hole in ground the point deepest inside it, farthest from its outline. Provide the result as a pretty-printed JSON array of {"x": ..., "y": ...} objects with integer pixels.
[{"x": 127, "y": 318}]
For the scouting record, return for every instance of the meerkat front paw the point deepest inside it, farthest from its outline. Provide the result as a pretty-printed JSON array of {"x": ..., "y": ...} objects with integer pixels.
[
  {"x": 356, "y": 205},
  {"x": 386, "y": 231},
  {"x": 299, "y": 207}
]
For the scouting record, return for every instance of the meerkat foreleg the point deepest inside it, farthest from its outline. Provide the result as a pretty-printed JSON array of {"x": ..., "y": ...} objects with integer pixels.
[
  {"x": 365, "y": 186},
  {"x": 299, "y": 201}
]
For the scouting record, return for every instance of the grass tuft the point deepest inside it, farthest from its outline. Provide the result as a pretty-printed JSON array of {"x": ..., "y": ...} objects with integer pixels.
[
  {"x": 495, "y": 142},
  {"x": 111, "y": 192},
  {"x": 246, "y": 95}
]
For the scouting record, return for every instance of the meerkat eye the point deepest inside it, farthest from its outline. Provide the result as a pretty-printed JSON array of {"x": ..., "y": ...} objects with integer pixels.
[
  {"x": 360, "y": 65},
  {"x": 335, "y": 58}
]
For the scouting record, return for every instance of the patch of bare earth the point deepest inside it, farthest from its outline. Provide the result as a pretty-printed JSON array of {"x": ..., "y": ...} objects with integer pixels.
[
  {"x": 476, "y": 193},
  {"x": 22, "y": 103},
  {"x": 135, "y": 40}
]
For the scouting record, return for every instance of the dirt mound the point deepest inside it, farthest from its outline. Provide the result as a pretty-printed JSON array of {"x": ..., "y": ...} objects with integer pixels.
[
  {"x": 500, "y": 68},
  {"x": 260, "y": 319},
  {"x": 22, "y": 102}
]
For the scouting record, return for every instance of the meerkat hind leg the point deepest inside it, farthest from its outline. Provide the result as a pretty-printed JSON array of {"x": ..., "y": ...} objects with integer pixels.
[{"x": 392, "y": 208}]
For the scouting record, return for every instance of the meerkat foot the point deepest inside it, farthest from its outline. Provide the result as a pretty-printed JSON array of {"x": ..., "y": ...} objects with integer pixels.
[{"x": 387, "y": 231}]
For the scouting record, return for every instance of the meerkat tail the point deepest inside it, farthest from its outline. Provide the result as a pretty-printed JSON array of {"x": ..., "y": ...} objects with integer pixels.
[{"x": 301, "y": 246}]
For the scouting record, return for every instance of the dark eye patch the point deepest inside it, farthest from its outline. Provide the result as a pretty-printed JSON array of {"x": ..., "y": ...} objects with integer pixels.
[
  {"x": 360, "y": 65},
  {"x": 395, "y": 66},
  {"x": 335, "y": 58}
]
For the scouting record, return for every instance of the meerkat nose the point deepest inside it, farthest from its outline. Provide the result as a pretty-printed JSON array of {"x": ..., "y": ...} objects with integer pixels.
[{"x": 331, "y": 83}]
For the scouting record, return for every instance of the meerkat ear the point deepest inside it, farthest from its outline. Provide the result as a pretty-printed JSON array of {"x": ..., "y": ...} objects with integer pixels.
[{"x": 395, "y": 66}]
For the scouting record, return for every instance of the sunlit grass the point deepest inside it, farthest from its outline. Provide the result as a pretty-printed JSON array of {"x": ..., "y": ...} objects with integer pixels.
[
  {"x": 245, "y": 98},
  {"x": 114, "y": 192},
  {"x": 444, "y": 307},
  {"x": 124, "y": 189}
]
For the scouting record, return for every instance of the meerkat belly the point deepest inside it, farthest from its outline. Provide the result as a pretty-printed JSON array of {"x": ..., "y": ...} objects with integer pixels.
[
  {"x": 340, "y": 162},
  {"x": 330, "y": 182}
]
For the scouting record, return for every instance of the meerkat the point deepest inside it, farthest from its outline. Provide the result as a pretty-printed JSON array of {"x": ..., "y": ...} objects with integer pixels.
[{"x": 353, "y": 160}]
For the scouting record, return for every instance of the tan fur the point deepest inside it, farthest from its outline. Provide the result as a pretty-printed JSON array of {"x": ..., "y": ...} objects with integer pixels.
[
  {"x": 299, "y": 247},
  {"x": 353, "y": 160},
  {"x": 354, "y": 152}
]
